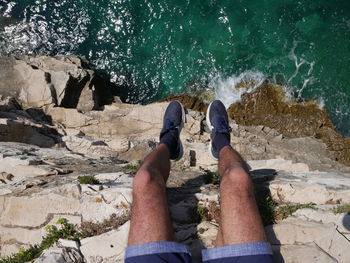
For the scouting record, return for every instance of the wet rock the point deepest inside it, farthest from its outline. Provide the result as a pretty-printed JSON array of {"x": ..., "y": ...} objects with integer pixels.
[
  {"x": 267, "y": 106},
  {"x": 189, "y": 102}
]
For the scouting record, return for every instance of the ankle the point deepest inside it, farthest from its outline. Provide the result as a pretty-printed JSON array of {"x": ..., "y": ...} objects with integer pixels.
[
  {"x": 171, "y": 141},
  {"x": 221, "y": 140}
]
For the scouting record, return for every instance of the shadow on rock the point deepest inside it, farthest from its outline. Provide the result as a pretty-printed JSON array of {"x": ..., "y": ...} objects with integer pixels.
[
  {"x": 266, "y": 205},
  {"x": 31, "y": 126},
  {"x": 183, "y": 208}
]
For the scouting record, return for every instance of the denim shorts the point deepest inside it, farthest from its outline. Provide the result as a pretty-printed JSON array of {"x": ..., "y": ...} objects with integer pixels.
[{"x": 172, "y": 252}]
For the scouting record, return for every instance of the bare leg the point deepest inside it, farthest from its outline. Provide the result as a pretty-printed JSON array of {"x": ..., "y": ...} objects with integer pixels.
[
  {"x": 150, "y": 219},
  {"x": 239, "y": 220}
]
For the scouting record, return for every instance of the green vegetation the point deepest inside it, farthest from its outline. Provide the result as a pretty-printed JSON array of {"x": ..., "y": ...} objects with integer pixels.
[
  {"x": 267, "y": 211},
  {"x": 204, "y": 212},
  {"x": 183, "y": 168},
  {"x": 90, "y": 229},
  {"x": 88, "y": 179},
  {"x": 65, "y": 230},
  {"x": 287, "y": 210},
  {"x": 270, "y": 212},
  {"x": 201, "y": 230},
  {"x": 133, "y": 167},
  {"x": 211, "y": 177},
  {"x": 197, "y": 213},
  {"x": 341, "y": 209}
]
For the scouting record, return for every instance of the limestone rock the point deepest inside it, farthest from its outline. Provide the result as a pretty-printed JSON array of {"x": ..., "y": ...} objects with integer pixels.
[
  {"x": 279, "y": 164},
  {"x": 325, "y": 236},
  {"x": 15, "y": 169},
  {"x": 37, "y": 81},
  {"x": 19, "y": 131},
  {"x": 108, "y": 247},
  {"x": 88, "y": 146},
  {"x": 61, "y": 255},
  {"x": 315, "y": 187},
  {"x": 300, "y": 254},
  {"x": 342, "y": 220}
]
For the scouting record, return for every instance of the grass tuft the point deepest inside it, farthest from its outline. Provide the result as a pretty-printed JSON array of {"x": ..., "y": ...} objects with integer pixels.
[
  {"x": 267, "y": 211},
  {"x": 90, "y": 229},
  {"x": 287, "y": 210},
  {"x": 133, "y": 167},
  {"x": 88, "y": 179},
  {"x": 205, "y": 212},
  {"x": 340, "y": 209},
  {"x": 64, "y": 230},
  {"x": 270, "y": 212},
  {"x": 211, "y": 177}
]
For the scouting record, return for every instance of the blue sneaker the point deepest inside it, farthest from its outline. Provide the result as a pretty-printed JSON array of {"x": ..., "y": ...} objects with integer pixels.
[
  {"x": 173, "y": 122},
  {"x": 217, "y": 121}
]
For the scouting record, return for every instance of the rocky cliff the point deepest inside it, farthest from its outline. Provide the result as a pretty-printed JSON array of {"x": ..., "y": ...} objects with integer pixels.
[{"x": 66, "y": 171}]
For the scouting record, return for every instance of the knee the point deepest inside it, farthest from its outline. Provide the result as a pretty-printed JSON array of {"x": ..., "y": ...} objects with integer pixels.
[
  {"x": 144, "y": 180},
  {"x": 238, "y": 181}
]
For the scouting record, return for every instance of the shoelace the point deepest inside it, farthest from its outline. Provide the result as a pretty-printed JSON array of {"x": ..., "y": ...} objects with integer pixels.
[
  {"x": 222, "y": 127},
  {"x": 169, "y": 125}
]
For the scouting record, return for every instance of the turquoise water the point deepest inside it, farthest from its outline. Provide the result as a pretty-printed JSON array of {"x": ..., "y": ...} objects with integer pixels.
[{"x": 154, "y": 48}]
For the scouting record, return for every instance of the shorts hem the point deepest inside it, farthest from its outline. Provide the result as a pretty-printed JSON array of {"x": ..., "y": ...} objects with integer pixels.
[
  {"x": 155, "y": 248},
  {"x": 237, "y": 250}
]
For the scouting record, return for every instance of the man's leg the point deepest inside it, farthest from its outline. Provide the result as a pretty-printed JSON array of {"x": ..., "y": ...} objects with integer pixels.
[
  {"x": 239, "y": 219},
  {"x": 241, "y": 237},
  {"x": 151, "y": 232},
  {"x": 150, "y": 219}
]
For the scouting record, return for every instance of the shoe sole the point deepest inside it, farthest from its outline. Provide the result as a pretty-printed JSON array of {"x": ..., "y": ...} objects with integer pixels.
[
  {"x": 180, "y": 128},
  {"x": 211, "y": 129}
]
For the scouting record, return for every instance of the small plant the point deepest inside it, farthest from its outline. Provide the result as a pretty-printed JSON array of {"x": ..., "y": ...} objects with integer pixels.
[
  {"x": 88, "y": 179},
  {"x": 183, "y": 168},
  {"x": 65, "y": 230},
  {"x": 133, "y": 167},
  {"x": 341, "y": 209},
  {"x": 270, "y": 212},
  {"x": 204, "y": 212},
  {"x": 284, "y": 211},
  {"x": 267, "y": 210},
  {"x": 23, "y": 255},
  {"x": 211, "y": 177},
  {"x": 89, "y": 229},
  {"x": 201, "y": 230},
  {"x": 198, "y": 212}
]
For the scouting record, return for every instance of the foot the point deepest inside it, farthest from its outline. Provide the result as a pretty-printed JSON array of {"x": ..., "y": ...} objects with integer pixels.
[
  {"x": 174, "y": 118},
  {"x": 217, "y": 121}
]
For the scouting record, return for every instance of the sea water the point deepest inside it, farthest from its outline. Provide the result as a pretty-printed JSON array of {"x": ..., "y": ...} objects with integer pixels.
[{"x": 158, "y": 47}]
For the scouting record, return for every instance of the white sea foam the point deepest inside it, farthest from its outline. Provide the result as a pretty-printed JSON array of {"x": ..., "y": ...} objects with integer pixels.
[
  {"x": 225, "y": 87},
  {"x": 320, "y": 103}
]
